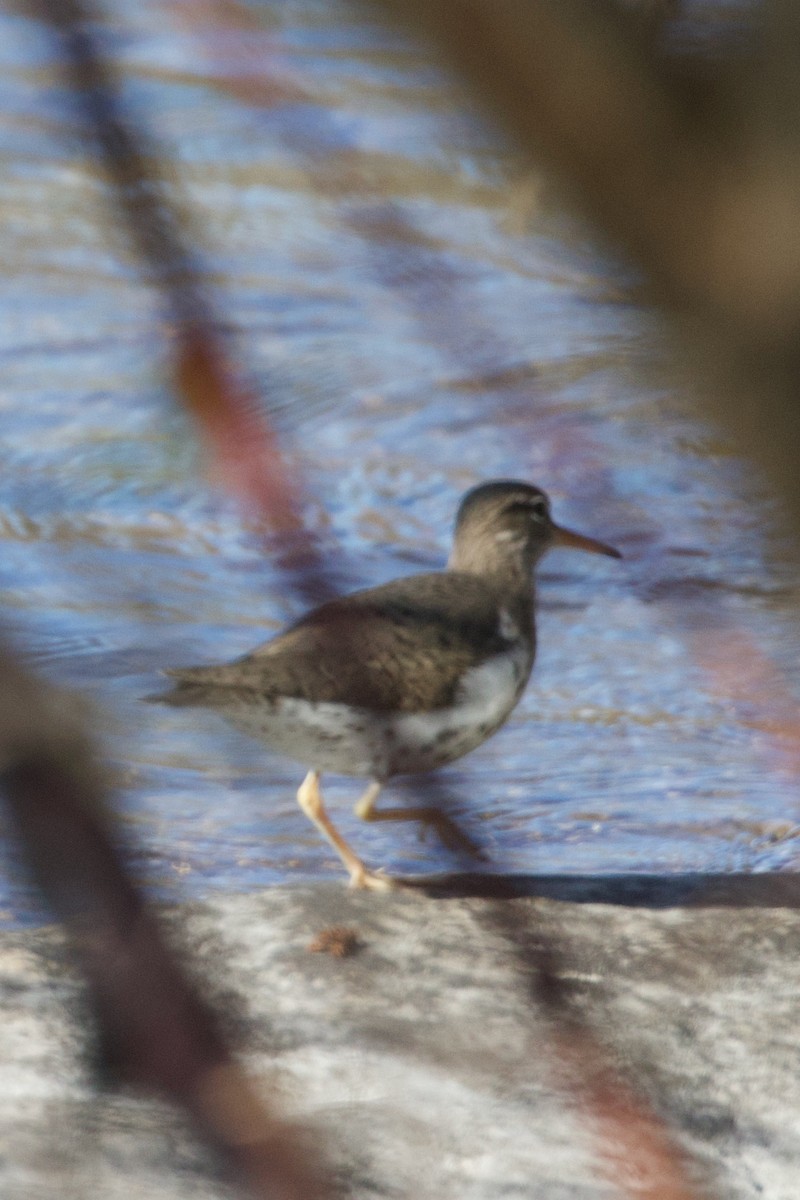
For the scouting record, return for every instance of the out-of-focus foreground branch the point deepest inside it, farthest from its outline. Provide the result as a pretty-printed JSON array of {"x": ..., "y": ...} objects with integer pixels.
[
  {"x": 155, "y": 1030},
  {"x": 695, "y": 172},
  {"x": 245, "y": 457}
]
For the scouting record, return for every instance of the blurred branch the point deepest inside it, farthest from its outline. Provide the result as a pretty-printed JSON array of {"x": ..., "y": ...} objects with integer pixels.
[
  {"x": 696, "y": 175},
  {"x": 636, "y": 1146},
  {"x": 244, "y": 449},
  {"x": 155, "y": 1030},
  {"x": 131, "y": 164},
  {"x": 578, "y": 83}
]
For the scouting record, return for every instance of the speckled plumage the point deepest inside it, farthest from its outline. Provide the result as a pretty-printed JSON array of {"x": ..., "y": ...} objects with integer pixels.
[
  {"x": 404, "y": 677},
  {"x": 401, "y": 647}
]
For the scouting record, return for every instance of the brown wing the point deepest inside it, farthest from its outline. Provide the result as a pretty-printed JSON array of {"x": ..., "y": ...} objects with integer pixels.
[{"x": 402, "y": 647}]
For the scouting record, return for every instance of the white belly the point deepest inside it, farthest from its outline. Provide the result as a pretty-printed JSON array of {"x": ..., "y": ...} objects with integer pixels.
[{"x": 354, "y": 741}]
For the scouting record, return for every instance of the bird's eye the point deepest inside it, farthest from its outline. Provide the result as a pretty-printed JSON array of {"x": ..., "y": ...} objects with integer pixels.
[{"x": 534, "y": 507}]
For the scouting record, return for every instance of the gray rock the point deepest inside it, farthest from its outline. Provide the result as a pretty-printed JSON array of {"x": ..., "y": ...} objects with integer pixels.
[{"x": 422, "y": 1062}]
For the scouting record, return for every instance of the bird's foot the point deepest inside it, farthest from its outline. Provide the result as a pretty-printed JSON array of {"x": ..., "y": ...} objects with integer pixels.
[{"x": 375, "y": 881}]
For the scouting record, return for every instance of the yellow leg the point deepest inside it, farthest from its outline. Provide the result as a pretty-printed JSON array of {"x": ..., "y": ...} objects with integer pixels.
[
  {"x": 309, "y": 798},
  {"x": 367, "y": 802},
  {"x": 447, "y": 829}
]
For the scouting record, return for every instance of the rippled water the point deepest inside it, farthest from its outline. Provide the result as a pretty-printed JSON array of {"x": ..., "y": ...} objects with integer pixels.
[{"x": 419, "y": 315}]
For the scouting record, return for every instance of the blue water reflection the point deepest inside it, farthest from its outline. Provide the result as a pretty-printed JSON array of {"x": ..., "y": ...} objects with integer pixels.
[{"x": 419, "y": 315}]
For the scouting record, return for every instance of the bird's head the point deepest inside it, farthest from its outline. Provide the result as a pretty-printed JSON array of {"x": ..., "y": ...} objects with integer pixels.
[{"x": 506, "y": 525}]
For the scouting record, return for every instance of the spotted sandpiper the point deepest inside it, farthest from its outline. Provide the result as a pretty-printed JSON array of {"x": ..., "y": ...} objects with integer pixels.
[{"x": 401, "y": 678}]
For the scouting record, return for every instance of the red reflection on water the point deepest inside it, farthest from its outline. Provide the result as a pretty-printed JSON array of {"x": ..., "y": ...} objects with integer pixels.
[{"x": 740, "y": 672}]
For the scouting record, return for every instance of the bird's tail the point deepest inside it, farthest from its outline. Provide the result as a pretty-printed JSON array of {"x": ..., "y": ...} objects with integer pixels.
[{"x": 189, "y": 683}]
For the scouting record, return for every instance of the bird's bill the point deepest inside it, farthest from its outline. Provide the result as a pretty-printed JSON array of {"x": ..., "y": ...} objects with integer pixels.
[{"x": 578, "y": 541}]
